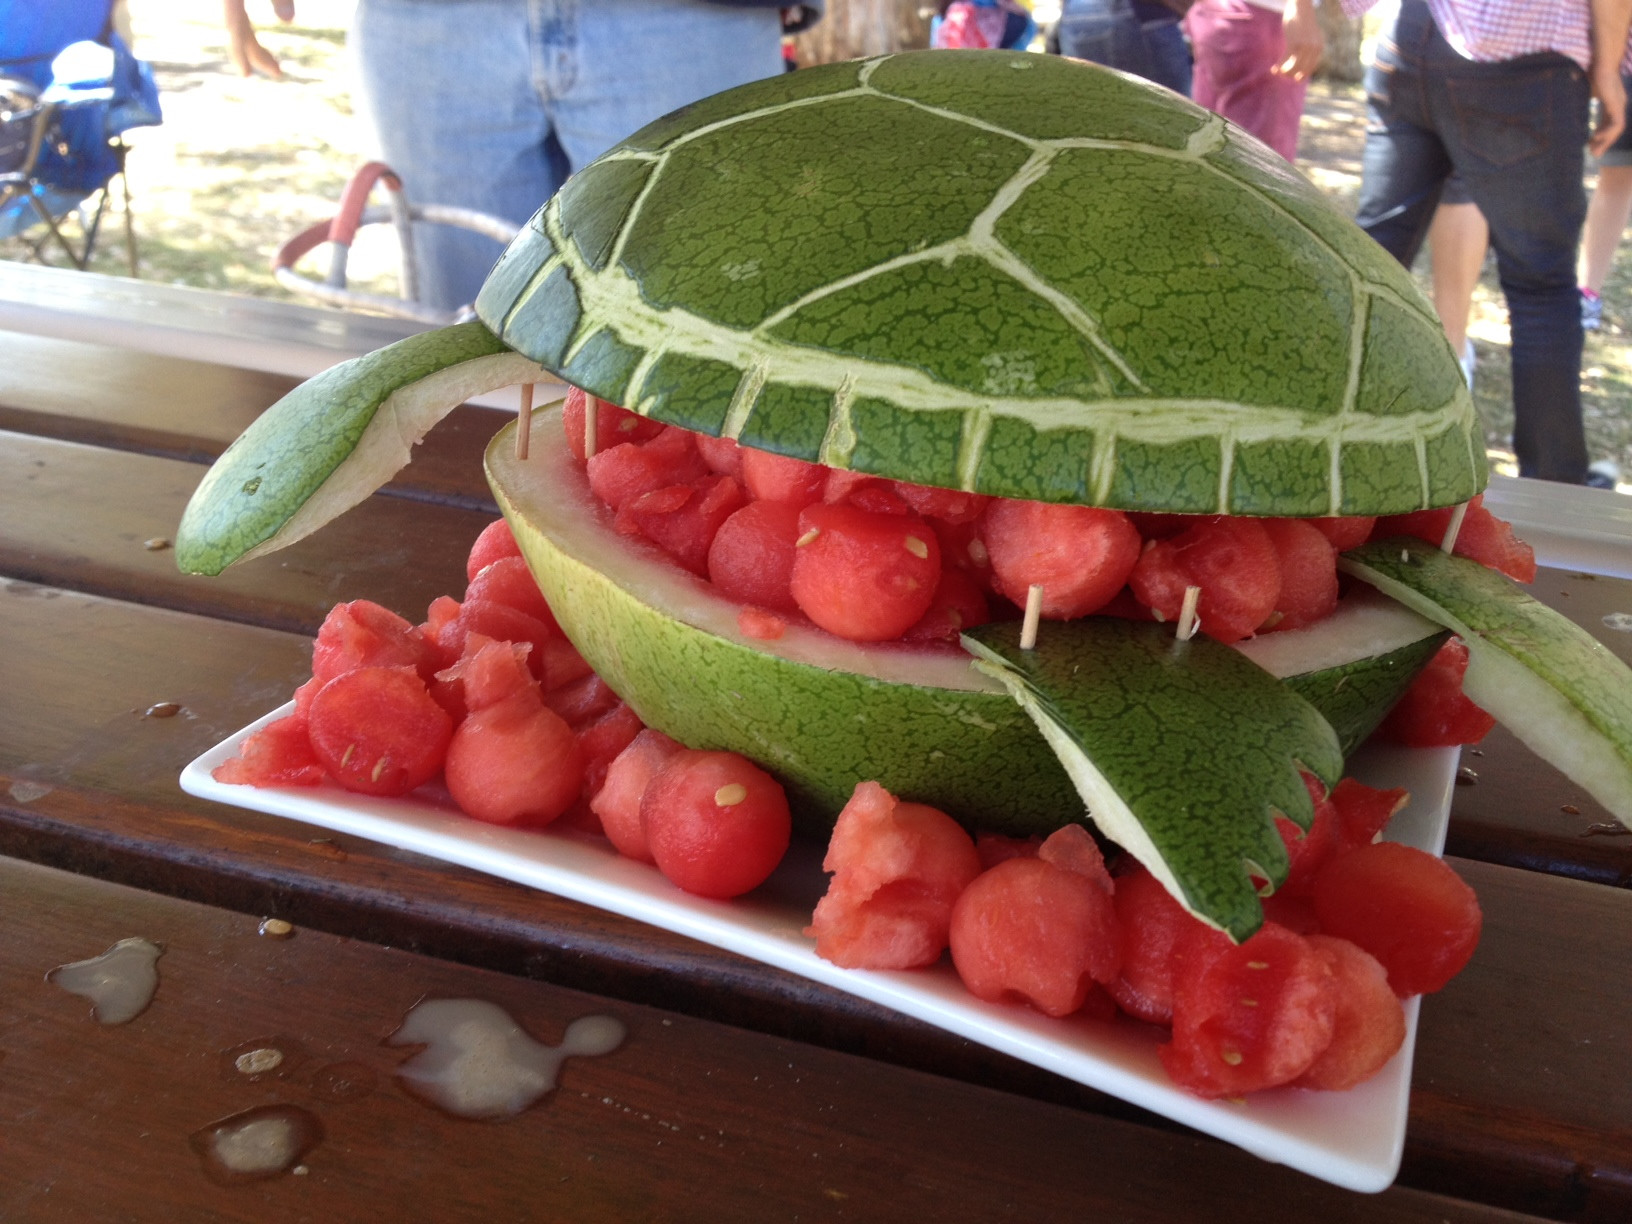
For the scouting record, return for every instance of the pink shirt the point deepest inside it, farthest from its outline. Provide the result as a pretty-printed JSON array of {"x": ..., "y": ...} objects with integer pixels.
[{"x": 1489, "y": 30}]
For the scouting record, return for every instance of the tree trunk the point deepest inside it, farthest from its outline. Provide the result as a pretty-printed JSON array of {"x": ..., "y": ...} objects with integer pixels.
[
  {"x": 1342, "y": 59},
  {"x": 853, "y": 29}
]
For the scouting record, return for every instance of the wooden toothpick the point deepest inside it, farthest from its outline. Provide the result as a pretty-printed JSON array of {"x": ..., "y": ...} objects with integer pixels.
[
  {"x": 1453, "y": 528},
  {"x": 1034, "y": 612},
  {"x": 1189, "y": 622},
  {"x": 524, "y": 421},
  {"x": 592, "y": 420}
]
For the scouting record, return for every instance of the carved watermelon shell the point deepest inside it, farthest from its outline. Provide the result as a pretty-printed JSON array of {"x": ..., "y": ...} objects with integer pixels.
[{"x": 1002, "y": 272}]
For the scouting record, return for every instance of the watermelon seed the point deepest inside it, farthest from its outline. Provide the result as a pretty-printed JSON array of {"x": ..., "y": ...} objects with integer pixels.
[
  {"x": 808, "y": 537},
  {"x": 1257, "y": 964},
  {"x": 345, "y": 757},
  {"x": 1249, "y": 1002},
  {"x": 979, "y": 555},
  {"x": 731, "y": 794},
  {"x": 1231, "y": 1057},
  {"x": 380, "y": 767},
  {"x": 917, "y": 547}
]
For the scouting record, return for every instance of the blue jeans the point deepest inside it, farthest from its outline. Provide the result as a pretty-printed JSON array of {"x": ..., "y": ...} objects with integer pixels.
[
  {"x": 490, "y": 104},
  {"x": 1109, "y": 32},
  {"x": 1514, "y": 132}
]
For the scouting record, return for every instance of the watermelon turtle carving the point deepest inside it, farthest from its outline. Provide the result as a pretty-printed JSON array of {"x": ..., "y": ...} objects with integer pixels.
[{"x": 996, "y": 272}]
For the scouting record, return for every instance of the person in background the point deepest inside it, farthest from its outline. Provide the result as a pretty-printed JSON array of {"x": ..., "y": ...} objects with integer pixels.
[
  {"x": 1137, "y": 36},
  {"x": 1497, "y": 91},
  {"x": 982, "y": 25},
  {"x": 1607, "y": 214},
  {"x": 491, "y": 104},
  {"x": 1253, "y": 63},
  {"x": 1457, "y": 240}
]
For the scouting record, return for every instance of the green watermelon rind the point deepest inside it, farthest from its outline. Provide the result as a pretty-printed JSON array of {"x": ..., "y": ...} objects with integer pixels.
[
  {"x": 335, "y": 439},
  {"x": 1394, "y": 429},
  {"x": 1183, "y": 751},
  {"x": 1353, "y": 665},
  {"x": 1547, "y": 680}
]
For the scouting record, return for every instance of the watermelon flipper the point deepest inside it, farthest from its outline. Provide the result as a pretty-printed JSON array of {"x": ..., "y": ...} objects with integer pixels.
[
  {"x": 1543, "y": 677},
  {"x": 1183, "y": 751},
  {"x": 334, "y": 439}
]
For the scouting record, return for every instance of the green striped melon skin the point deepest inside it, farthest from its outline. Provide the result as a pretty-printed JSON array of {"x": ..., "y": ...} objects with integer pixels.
[
  {"x": 1000, "y": 272},
  {"x": 819, "y": 723},
  {"x": 823, "y": 714}
]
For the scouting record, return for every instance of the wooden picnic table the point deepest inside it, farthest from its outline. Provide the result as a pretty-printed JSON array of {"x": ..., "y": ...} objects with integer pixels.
[{"x": 741, "y": 1091}]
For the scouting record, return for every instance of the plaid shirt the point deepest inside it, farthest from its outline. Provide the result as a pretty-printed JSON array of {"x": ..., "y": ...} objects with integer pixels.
[{"x": 1489, "y": 30}]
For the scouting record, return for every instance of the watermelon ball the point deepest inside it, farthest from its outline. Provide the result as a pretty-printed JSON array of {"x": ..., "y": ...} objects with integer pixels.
[
  {"x": 508, "y": 581},
  {"x": 613, "y": 425},
  {"x": 378, "y": 731},
  {"x": 779, "y": 478},
  {"x": 1308, "y": 565},
  {"x": 1344, "y": 532},
  {"x": 619, "y": 474},
  {"x": 751, "y": 558},
  {"x": 716, "y": 824},
  {"x": 862, "y": 575},
  {"x": 1079, "y": 555},
  {"x": 515, "y": 762},
  {"x": 951, "y": 506},
  {"x": 898, "y": 868},
  {"x": 722, "y": 455},
  {"x": 1153, "y": 925},
  {"x": 617, "y": 803},
  {"x": 1248, "y": 1016},
  {"x": 959, "y": 604},
  {"x": 1404, "y": 906},
  {"x": 494, "y": 543},
  {"x": 686, "y": 526},
  {"x": 1232, "y": 560},
  {"x": 600, "y": 740},
  {"x": 364, "y": 634},
  {"x": 1032, "y": 931},
  {"x": 1368, "y": 1024}
]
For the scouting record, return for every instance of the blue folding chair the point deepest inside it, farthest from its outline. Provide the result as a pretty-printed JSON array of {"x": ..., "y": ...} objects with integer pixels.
[{"x": 69, "y": 87}]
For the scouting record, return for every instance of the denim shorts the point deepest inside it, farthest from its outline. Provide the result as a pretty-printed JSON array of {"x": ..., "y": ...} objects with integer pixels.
[{"x": 490, "y": 104}]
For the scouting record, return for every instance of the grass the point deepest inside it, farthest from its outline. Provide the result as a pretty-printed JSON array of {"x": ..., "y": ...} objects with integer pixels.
[{"x": 240, "y": 166}]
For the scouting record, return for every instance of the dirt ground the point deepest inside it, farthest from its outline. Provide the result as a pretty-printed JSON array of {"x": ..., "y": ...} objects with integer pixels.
[{"x": 240, "y": 166}]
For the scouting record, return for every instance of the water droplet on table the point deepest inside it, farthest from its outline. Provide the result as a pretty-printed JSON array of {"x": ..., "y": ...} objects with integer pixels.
[
  {"x": 257, "y": 1143},
  {"x": 1619, "y": 620},
  {"x": 120, "y": 983},
  {"x": 479, "y": 1063}
]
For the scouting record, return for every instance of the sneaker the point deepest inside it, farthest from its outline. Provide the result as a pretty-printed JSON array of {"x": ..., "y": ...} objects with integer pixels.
[
  {"x": 1605, "y": 474},
  {"x": 1469, "y": 360},
  {"x": 1592, "y": 310}
]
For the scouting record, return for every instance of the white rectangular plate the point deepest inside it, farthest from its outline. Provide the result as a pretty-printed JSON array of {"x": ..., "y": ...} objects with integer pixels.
[{"x": 1353, "y": 1139}]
